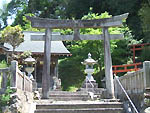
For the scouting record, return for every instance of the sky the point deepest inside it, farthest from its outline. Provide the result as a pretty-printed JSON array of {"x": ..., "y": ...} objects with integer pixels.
[{"x": 1, "y": 2}]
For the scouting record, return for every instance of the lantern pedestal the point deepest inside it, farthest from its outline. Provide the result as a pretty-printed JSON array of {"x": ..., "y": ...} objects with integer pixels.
[{"x": 88, "y": 84}]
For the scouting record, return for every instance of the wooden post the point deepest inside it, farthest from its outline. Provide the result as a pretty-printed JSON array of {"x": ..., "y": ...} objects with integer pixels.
[
  {"x": 108, "y": 64},
  {"x": 13, "y": 69},
  {"x": 46, "y": 67}
]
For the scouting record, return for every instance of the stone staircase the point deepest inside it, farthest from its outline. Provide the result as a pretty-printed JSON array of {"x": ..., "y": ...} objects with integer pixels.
[
  {"x": 76, "y": 102},
  {"x": 79, "y": 107},
  {"x": 68, "y": 96}
]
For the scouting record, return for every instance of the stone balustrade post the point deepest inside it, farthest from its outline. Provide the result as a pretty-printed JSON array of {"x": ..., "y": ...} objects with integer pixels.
[
  {"x": 13, "y": 69},
  {"x": 146, "y": 67},
  {"x": 116, "y": 87},
  {"x": 4, "y": 80}
]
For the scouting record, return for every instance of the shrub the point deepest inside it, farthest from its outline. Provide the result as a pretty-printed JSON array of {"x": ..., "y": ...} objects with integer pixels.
[
  {"x": 5, "y": 98},
  {"x": 3, "y": 64}
]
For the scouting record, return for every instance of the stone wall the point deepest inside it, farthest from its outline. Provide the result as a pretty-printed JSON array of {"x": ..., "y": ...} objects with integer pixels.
[{"x": 21, "y": 102}]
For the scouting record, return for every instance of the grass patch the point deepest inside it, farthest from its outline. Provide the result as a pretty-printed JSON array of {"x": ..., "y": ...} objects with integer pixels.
[{"x": 72, "y": 89}]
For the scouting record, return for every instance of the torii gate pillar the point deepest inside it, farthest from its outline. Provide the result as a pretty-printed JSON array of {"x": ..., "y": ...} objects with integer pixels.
[
  {"x": 46, "y": 78},
  {"x": 108, "y": 64}
]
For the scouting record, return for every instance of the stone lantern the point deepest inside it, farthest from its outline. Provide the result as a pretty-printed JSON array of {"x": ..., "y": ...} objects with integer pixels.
[
  {"x": 89, "y": 83},
  {"x": 30, "y": 62},
  {"x": 29, "y": 66},
  {"x": 89, "y": 63}
]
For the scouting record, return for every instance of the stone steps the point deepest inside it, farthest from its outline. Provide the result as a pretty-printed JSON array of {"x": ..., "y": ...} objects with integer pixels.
[
  {"x": 91, "y": 110},
  {"x": 63, "y": 95},
  {"x": 80, "y": 107},
  {"x": 76, "y": 102},
  {"x": 67, "y": 93},
  {"x": 68, "y": 96}
]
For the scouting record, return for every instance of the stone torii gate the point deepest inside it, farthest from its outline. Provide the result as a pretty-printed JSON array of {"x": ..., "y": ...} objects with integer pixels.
[{"x": 50, "y": 24}]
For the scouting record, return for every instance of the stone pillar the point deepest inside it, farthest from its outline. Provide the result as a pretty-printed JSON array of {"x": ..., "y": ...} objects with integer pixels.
[
  {"x": 13, "y": 69},
  {"x": 46, "y": 79},
  {"x": 146, "y": 67},
  {"x": 108, "y": 64},
  {"x": 4, "y": 80}
]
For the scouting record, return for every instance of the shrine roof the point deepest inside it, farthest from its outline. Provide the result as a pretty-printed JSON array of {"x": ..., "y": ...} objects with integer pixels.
[{"x": 57, "y": 47}]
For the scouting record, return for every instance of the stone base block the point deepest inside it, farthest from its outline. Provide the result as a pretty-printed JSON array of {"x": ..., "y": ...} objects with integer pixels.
[{"x": 90, "y": 85}]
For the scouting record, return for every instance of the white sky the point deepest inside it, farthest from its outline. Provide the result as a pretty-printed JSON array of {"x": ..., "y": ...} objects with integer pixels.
[{"x": 1, "y": 2}]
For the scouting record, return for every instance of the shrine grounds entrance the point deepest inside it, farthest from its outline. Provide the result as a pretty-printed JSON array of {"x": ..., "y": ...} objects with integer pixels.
[{"x": 50, "y": 24}]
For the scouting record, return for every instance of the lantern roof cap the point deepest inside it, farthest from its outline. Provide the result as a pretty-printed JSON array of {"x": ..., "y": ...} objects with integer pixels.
[
  {"x": 89, "y": 60},
  {"x": 29, "y": 59}
]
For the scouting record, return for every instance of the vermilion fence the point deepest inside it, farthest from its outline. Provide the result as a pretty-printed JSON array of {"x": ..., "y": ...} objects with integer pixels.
[{"x": 125, "y": 68}]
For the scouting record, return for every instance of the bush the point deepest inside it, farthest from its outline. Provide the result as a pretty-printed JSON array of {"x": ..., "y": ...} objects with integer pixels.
[
  {"x": 5, "y": 98},
  {"x": 3, "y": 64},
  {"x": 145, "y": 56}
]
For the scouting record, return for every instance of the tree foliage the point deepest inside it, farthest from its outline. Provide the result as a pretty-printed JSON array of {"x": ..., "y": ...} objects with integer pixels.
[
  {"x": 12, "y": 36},
  {"x": 145, "y": 18}
]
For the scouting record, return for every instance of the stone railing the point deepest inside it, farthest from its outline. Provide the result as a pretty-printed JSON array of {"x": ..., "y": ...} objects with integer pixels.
[
  {"x": 18, "y": 79},
  {"x": 134, "y": 82},
  {"x": 23, "y": 82},
  {"x": 3, "y": 79}
]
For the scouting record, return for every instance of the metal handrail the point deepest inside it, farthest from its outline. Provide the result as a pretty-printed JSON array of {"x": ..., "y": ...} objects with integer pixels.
[{"x": 126, "y": 94}]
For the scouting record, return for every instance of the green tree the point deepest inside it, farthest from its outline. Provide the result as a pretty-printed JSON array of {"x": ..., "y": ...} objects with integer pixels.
[
  {"x": 145, "y": 18},
  {"x": 46, "y": 8},
  {"x": 12, "y": 36},
  {"x": 114, "y": 7}
]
